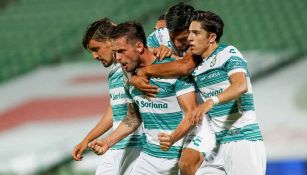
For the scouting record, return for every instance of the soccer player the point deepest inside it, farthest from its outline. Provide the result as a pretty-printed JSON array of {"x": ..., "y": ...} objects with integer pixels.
[
  {"x": 166, "y": 117},
  {"x": 175, "y": 36},
  {"x": 224, "y": 81},
  {"x": 160, "y": 23},
  {"x": 170, "y": 41},
  {"x": 122, "y": 155}
]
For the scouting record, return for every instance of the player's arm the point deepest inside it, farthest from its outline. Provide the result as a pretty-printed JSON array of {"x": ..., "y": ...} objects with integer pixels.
[
  {"x": 238, "y": 86},
  {"x": 161, "y": 52},
  {"x": 187, "y": 103},
  {"x": 176, "y": 68},
  {"x": 104, "y": 124},
  {"x": 236, "y": 69},
  {"x": 127, "y": 126},
  {"x": 185, "y": 92},
  {"x": 158, "y": 49}
]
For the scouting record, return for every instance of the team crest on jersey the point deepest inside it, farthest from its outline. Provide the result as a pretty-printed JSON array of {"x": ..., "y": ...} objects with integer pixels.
[{"x": 213, "y": 62}]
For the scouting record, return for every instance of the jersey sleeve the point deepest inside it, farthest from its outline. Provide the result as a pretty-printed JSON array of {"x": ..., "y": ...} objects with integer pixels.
[
  {"x": 152, "y": 40},
  {"x": 184, "y": 85},
  {"x": 235, "y": 64}
]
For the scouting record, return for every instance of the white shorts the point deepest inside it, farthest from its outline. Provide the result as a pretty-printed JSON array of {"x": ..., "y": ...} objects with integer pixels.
[
  {"x": 118, "y": 162},
  {"x": 202, "y": 137},
  {"x": 149, "y": 165},
  {"x": 236, "y": 158}
]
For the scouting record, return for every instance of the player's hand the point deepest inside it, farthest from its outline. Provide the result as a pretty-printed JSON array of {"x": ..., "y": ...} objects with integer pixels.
[
  {"x": 142, "y": 83},
  {"x": 78, "y": 150},
  {"x": 166, "y": 141},
  {"x": 162, "y": 52},
  {"x": 199, "y": 112},
  {"x": 176, "y": 57},
  {"x": 99, "y": 146}
]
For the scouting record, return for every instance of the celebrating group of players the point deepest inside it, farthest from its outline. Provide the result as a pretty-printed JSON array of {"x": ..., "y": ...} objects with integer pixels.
[{"x": 180, "y": 102}]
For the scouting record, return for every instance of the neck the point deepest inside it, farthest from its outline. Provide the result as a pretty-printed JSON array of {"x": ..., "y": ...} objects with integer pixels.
[
  {"x": 146, "y": 58},
  {"x": 210, "y": 49}
]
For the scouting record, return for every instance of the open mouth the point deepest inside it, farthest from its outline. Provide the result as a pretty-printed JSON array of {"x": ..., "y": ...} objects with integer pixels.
[
  {"x": 124, "y": 65},
  {"x": 191, "y": 46}
]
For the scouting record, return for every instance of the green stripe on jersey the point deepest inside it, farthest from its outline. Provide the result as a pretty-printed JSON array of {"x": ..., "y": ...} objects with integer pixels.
[
  {"x": 155, "y": 151},
  {"x": 152, "y": 40},
  {"x": 115, "y": 77},
  {"x": 224, "y": 109},
  {"x": 211, "y": 77},
  {"x": 165, "y": 89},
  {"x": 119, "y": 111},
  {"x": 165, "y": 121},
  {"x": 249, "y": 132},
  {"x": 247, "y": 102},
  {"x": 133, "y": 140},
  {"x": 235, "y": 62}
]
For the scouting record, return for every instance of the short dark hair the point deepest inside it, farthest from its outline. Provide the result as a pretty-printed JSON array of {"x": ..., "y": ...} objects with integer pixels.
[
  {"x": 131, "y": 30},
  {"x": 210, "y": 22},
  {"x": 178, "y": 17},
  {"x": 99, "y": 30},
  {"x": 161, "y": 17}
]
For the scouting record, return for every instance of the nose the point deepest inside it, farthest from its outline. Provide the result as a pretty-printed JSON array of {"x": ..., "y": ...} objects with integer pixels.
[
  {"x": 118, "y": 57},
  {"x": 95, "y": 56},
  {"x": 190, "y": 37}
]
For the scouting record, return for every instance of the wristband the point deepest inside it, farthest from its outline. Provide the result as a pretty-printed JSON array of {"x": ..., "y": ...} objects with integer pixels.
[{"x": 215, "y": 100}]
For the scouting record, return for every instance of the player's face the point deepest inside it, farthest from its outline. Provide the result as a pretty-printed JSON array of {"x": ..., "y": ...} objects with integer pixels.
[
  {"x": 101, "y": 51},
  {"x": 199, "y": 39},
  {"x": 125, "y": 54},
  {"x": 160, "y": 24},
  {"x": 180, "y": 39}
]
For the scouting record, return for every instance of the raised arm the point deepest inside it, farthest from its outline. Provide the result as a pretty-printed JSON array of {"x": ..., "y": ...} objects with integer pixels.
[
  {"x": 238, "y": 86},
  {"x": 101, "y": 127},
  {"x": 176, "y": 68},
  {"x": 127, "y": 126}
]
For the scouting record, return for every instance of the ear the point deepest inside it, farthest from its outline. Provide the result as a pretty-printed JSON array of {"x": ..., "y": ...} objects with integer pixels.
[
  {"x": 139, "y": 47},
  {"x": 109, "y": 42},
  {"x": 212, "y": 38}
]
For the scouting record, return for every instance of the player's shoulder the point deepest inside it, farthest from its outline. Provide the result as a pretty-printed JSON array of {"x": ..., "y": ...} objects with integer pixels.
[
  {"x": 228, "y": 52},
  {"x": 160, "y": 31},
  {"x": 165, "y": 60},
  {"x": 115, "y": 69}
]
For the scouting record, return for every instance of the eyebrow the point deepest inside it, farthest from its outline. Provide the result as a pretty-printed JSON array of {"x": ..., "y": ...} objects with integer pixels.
[{"x": 92, "y": 48}]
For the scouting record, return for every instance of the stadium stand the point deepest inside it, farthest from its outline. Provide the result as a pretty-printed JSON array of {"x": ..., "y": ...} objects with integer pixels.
[
  {"x": 262, "y": 25},
  {"x": 36, "y": 32}
]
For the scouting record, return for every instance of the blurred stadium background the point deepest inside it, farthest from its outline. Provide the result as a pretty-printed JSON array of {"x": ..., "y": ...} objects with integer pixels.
[{"x": 52, "y": 93}]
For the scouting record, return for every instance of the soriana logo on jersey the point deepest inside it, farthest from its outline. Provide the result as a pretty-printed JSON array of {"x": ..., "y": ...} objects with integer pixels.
[{"x": 151, "y": 104}]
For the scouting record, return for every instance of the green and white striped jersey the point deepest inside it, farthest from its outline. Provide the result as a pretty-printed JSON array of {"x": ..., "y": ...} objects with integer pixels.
[
  {"x": 161, "y": 37},
  {"x": 118, "y": 100},
  {"x": 161, "y": 114},
  {"x": 236, "y": 119}
]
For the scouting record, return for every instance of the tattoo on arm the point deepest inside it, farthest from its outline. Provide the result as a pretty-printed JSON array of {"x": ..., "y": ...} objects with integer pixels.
[{"x": 133, "y": 118}]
